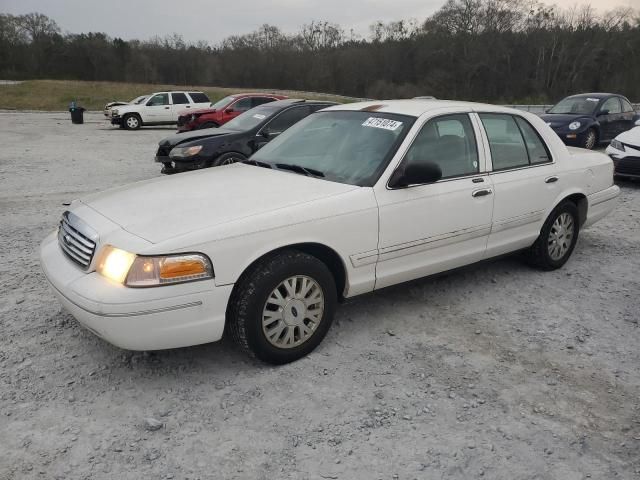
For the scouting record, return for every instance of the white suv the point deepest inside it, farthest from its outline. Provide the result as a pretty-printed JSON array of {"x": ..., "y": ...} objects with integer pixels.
[{"x": 161, "y": 108}]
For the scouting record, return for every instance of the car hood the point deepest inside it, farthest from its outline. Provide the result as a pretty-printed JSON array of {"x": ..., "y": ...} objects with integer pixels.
[
  {"x": 179, "y": 138},
  {"x": 167, "y": 207},
  {"x": 198, "y": 111},
  {"x": 630, "y": 137},
  {"x": 563, "y": 118}
]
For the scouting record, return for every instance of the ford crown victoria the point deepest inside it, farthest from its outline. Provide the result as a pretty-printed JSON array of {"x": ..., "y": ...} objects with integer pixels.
[{"x": 350, "y": 200}]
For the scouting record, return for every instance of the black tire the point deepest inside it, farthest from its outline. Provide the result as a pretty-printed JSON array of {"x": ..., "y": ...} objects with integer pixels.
[
  {"x": 131, "y": 121},
  {"x": 245, "y": 312},
  {"x": 227, "y": 159},
  {"x": 208, "y": 125},
  {"x": 538, "y": 254},
  {"x": 589, "y": 139}
]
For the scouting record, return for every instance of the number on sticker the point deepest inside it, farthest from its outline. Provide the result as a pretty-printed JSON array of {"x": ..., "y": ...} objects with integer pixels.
[{"x": 385, "y": 123}]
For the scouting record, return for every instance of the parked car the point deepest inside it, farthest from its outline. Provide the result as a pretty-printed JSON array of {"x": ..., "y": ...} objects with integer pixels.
[
  {"x": 349, "y": 200},
  {"x": 589, "y": 119},
  {"x": 223, "y": 110},
  {"x": 237, "y": 140},
  {"x": 624, "y": 150},
  {"x": 109, "y": 106},
  {"x": 160, "y": 108}
]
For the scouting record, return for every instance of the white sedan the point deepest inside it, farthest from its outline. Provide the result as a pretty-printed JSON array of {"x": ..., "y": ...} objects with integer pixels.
[
  {"x": 351, "y": 199},
  {"x": 625, "y": 153}
]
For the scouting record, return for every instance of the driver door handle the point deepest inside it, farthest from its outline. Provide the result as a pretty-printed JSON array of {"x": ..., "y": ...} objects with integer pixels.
[
  {"x": 167, "y": 108},
  {"x": 552, "y": 179},
  {"x": 483, "y": 192}
]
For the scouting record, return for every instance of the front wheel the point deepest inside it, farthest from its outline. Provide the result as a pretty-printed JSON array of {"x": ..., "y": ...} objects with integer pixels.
[
  {"x": 557, "y": 239},
  {"x": 228, "y": 159},
  {"x": 208, "y": 125},
  {"x": 131, "y": 122},
  {"x": 283, "y": 307}
]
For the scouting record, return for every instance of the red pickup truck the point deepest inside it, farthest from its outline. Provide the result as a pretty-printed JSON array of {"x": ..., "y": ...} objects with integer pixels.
[{"x": 223, "y": 110}]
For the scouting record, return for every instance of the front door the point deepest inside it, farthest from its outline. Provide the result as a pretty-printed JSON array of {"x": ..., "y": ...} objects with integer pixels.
[
  {"x": 610, "y": 118},
  {"x": 426, "y": 229},
  {"x": 157, "y": 109},
  {"x": 236, "y": 108}
]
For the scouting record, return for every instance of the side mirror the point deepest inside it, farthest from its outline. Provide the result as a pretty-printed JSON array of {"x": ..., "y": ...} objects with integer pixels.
[
  {"x": 229, "y": 110},
  {"x": 637, "y": 123},
  {"x": 269, "y": 135},
  {"x": 417, "y": 173},
  {"x": 603, "y": 112}
]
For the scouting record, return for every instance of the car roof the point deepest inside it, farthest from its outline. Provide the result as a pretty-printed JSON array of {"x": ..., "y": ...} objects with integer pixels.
[
  {"x": 416, "y": 107},
  {"x": 598, "y": 95},
  {"x": 256, "y": 94},
  {"x": 291, "y": 101}
]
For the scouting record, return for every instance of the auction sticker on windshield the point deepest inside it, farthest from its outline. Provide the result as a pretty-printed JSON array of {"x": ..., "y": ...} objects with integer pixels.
[
  {"x": 259, "y": 116},
  {"x": 384, "y": 123}
]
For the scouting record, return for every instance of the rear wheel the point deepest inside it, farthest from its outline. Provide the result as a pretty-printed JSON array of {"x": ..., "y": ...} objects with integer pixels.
[
  {"x": 590, "y": 139},
  {"x": 557, "y": 238},
  {"x": 283, "y": 307},
  {"x": 131, "y": 121},
  {"x": 228, "y": 159}
]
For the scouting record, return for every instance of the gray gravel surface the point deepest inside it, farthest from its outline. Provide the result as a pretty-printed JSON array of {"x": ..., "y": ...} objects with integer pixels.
[{"x": 497, "y": 371}]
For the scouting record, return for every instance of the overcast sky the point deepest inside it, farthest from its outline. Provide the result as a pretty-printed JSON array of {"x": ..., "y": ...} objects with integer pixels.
[{"x": 213, "y": 20}]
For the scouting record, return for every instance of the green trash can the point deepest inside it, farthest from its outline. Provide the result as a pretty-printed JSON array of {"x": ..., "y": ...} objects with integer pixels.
[{"x": 77, "y": 115}]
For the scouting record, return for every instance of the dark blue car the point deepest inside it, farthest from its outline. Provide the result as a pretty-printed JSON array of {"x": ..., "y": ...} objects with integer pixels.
[{"x": 589, "y": 119}]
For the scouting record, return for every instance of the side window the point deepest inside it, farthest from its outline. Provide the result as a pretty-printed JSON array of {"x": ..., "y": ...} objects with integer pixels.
[
  {"x": 285, "y": 120},
  {"x": 262, "y": 100},
  {"x": 449, "y": 142},
  {"x": 626, "y": 106},
  {"x": 179, "y": 98},
  {"x": 242, "y": 105},
  {"x": 159, "y": 99},
  {"x": 537, "y": 150},
  {"x": 612, "y": 105},
  {"x": 508, "y": 149},
  {"x": 199, "y": 97}
]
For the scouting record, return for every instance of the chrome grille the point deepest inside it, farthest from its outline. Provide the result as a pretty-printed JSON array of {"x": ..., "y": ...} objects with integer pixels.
[{"x": 77, "y": 239}]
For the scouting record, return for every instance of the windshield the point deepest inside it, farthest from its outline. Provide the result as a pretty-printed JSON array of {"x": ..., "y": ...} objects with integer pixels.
[
  {"x": 138, "y": 100},
  {"x": 345, "y": 146},
  {"x": 251, "y": 118},
  {"x": 223, "y": 102},
  {"x": 576, "y": 105}
]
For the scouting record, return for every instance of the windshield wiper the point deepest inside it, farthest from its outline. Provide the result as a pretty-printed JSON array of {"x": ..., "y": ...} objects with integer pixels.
[
  {"x": 257, "y": 163},
  {"x": 309, "y": 172}
]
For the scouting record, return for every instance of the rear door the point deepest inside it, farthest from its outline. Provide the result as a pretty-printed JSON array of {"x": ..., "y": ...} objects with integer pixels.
[
  {"x": 181, "y": 103},
  {"x": 257, "y": 101},
  {"x": 524, "y": 178}
]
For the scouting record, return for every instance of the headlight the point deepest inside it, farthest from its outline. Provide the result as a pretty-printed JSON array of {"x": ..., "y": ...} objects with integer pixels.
[
  {"x": 114, "y": 263},
  {"x": 141, "y": 271},
  {"x": 617, "y": 145},
  {"x": 574, "y": 125},
  {"x": 185, "y": 152}
]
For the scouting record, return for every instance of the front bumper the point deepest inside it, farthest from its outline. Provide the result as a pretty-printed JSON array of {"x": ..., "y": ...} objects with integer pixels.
[
  {"x": 116, "y": 120},
  {"x": 170, "y": 166},
  {"x": 572, "y": 138},
  {"x": 136, "y": 318},
  {"x": 626, "y": 163}
]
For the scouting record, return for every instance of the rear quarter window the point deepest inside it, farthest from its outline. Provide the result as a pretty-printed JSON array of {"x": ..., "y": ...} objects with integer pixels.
[{"x": 199, "y": 97}]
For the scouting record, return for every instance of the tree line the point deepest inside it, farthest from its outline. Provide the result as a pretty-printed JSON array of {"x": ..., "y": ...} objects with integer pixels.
[{"x": 484, "y": 50}]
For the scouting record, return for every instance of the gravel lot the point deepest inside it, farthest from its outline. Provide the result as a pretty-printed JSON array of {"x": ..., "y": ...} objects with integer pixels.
[{"x": 497, "y": 371}]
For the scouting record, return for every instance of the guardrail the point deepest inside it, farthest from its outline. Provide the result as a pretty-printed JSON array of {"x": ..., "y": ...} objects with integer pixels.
[{"x": 540, "y": 109}]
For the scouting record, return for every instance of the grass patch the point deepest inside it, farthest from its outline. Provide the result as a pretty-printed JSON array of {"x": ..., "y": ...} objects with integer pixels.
[{"x": 55, "y": 95}]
